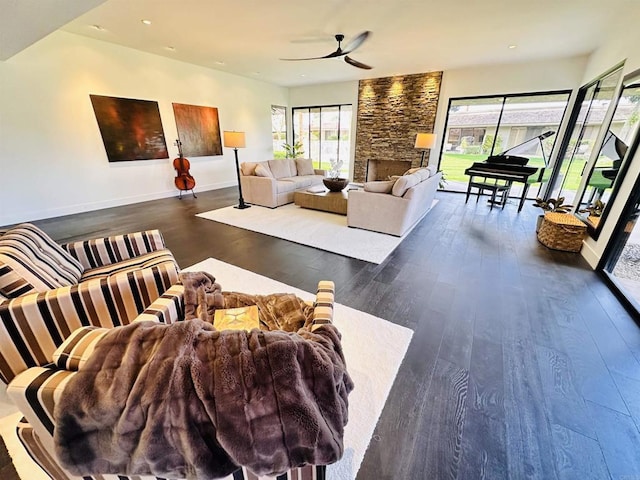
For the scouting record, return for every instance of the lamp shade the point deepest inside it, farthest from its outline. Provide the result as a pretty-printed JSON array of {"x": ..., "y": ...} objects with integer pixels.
[
  {"x": 425, "y": 140},
  {"x": 234, "y": 139}
]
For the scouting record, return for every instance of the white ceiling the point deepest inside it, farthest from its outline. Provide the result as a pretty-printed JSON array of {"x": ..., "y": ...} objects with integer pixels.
[{"x": 408, "y": 36}]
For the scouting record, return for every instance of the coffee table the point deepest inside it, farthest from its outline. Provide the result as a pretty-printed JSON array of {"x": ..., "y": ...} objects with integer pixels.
[{"x": 333, "y": 202}]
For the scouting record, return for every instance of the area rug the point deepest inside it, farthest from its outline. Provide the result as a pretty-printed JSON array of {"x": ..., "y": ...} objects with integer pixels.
[
  {"x": 373, "y": 349},
  {"x": 326, "y": 231}
]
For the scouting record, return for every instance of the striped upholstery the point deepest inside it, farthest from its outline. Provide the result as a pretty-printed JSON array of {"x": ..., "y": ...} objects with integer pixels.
[
  {"x": 30, "y": 261},
  {"x": 33, "y": 326},
  {"x": 77, "y": 348},
  {"x": 36, "y": 390},
  {"x": 146, "y": 260},
  {"x": 323, "y": 306},
  {"x": 106, "y": 251}
]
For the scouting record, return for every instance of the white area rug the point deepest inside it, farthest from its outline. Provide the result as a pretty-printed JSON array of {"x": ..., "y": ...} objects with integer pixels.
[
  {"x": 373, "y": 348},
  {"x": 326, "y": 231}
]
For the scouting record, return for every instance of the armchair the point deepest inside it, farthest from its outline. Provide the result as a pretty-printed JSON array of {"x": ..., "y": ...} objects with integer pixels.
[
  {"x": 37, "y": 390},
  {"x": 49, "y": 290}
]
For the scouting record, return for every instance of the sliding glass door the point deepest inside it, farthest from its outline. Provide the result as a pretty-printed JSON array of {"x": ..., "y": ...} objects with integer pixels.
[
  {"x": 593, "y": 104},
  {"x": 481, "y": 126},
  {"x": 621, "y": 262},
  {"x": 325, "y": 134}
]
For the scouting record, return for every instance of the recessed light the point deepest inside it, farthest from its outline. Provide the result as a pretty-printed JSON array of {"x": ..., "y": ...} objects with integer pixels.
[
  {"x": 303, "y": 74},
  {"x": 218, "y": 62},
  {"x": 511, "y": 47},
  {"x": 146, "y": 22},
  {"x": 170, "y": 48},
  {"x": 256, "y": 73},
  {"x": 98, "y": 27}
]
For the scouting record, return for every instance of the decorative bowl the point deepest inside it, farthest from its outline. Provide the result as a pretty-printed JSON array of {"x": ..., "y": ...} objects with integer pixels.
[{"x": 335, "y": 184}]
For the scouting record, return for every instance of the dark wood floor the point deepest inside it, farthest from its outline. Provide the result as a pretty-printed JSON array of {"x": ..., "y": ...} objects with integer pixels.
[{"x": 522, "y": 365}]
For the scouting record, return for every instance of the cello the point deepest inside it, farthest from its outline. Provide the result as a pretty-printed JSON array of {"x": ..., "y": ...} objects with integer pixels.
[{"x": 183, "y": 181}]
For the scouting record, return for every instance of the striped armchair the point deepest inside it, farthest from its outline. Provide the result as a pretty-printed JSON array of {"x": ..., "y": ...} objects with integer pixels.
[
  {"x": 49, "y": 290},
  {"x": 36, "y": 390}
]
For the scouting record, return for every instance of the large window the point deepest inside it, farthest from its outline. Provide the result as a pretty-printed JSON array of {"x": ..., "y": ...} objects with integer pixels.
[
  {"x": 593, "y": 103},
  {"x": 279, "y": 130},
  {"x": 325, "y": 134},
  {"x": 481, "y": 126}
]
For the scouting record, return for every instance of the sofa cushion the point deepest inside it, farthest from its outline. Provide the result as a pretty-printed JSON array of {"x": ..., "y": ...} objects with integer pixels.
[
  {"x": 285, "y": 185},
  {"x": 305, "y": 166},
  {"x": 262, "y": 170},
  {"x": 381, "y": 186},
  {"x": 30, "y": 261},
  {"x": 248, "y": 168},
  {"x": 280, "y": 168},
  {"x": 302, "y": 182},
  {"x": 404, "y": 183},
  {"x": 140, "y": 262}
]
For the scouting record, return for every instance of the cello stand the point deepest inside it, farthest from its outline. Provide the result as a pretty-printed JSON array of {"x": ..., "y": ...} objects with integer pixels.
[{"x": 192, "y": 193}]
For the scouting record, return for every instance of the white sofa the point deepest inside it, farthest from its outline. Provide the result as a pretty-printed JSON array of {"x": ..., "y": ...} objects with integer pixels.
[
  {"x": 393, "y": 206},
  {"x": 273, "y": 182}
]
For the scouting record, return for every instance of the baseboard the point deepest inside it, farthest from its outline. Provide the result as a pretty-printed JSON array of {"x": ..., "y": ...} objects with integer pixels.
[
  {"x": 19, "y": 217},
  {"x": 590, "y": 255}
]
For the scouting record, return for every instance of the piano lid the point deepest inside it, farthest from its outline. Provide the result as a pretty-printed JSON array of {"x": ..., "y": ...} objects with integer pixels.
[{"x": 528, "y": 147}]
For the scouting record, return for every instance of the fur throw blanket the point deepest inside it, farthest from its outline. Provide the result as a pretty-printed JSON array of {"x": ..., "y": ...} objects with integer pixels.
[
  {"x": 188, "y": 401},
  {"x": 278, "y": 311}
]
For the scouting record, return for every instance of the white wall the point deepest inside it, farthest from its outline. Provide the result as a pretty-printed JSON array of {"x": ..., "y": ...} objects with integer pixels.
[
  {"x": 622, "y": 45},
  {"x": 52, "y": 157}
]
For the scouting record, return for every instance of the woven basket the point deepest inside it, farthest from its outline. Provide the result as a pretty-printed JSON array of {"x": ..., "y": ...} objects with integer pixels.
[{"x": 562, "y": 231}]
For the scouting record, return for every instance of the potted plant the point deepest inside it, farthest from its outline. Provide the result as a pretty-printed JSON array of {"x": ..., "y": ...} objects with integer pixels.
[
  {"x": 594, "y": 210},
  {"x": 334, "y": 182},
  {"x": 293, "y": 151},
  {"x": 550, "y": 205}
]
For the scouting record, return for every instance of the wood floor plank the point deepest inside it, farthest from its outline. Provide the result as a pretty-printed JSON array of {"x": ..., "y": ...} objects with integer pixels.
[
  {"x": 565, "y": 405},
  {"x": 619, "y": 439},
  {"x": 437, "y": 454},
  {"x": 484, "y": 451},
  {"x": 577, "y": 457}
]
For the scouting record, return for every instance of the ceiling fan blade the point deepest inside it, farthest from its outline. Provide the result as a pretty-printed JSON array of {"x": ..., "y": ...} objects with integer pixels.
[
  {"x": 356, "y": 42},
  {"x": 337, "y": 53},
  {"x": 355, "y": 63}
]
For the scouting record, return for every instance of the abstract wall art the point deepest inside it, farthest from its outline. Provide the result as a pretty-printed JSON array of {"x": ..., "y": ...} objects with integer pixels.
[
  {"x": 198, "y": 130},
  {"x": 131, "y": 129}
]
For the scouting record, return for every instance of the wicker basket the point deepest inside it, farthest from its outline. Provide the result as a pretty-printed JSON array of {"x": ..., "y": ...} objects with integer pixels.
[{"x": 562, "y": 231}]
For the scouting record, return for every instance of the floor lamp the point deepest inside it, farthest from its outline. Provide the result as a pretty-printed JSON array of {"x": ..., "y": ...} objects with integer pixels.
[
  {"x": 423, "y": 142},
  {"x": 236, "y": 140}
]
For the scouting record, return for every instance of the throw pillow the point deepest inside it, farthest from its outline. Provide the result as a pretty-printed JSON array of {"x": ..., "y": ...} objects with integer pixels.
[
  {"x": 263, "y": 171},
  {"x": 412, "y": 170},
  {"x": 280, "y": 168},
  {"x": 403, "y": 184},
  {"x": 30, "y": 261},
  {"x": 305, "y": 166},
  {"x": 248, "y": 168},
  {"x": 78, "y": 347},
  {"x": 381, "y": 186},
  {"x": 293, "y": 169}
]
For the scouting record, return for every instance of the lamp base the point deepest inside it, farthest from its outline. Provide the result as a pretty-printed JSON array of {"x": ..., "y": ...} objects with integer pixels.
[{"x": 242, "y": 206}]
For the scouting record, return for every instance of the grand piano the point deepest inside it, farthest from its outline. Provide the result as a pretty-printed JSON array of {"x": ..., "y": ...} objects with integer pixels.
[{"x": 499, "y": 172}]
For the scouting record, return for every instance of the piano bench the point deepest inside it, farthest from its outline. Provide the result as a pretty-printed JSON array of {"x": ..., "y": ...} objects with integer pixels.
[{"x": 493, "y": 187}]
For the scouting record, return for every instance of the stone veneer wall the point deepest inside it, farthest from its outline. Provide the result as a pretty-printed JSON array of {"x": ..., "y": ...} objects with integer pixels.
[{"x": 391, "y": 111}]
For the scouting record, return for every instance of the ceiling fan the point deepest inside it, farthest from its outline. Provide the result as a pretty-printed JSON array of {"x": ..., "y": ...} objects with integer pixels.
[{"x": 339, "y": 52}]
